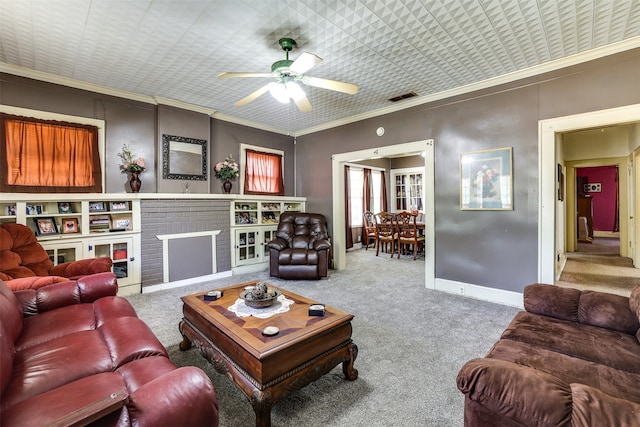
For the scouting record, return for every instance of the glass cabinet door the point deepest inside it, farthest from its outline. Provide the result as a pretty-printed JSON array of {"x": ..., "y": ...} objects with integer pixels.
[
  {"x": 246, "y": 246},
  {"x": 407, "y": 190}
]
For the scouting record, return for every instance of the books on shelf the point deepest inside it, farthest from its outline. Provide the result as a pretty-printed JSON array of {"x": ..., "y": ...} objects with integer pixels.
[{"x": 99, "y": 223}]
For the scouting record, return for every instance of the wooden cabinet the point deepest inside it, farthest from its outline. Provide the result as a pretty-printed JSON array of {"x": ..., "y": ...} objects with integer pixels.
[
  {"x": 585, "y": 209},
  {"x": 78, "y": 226},
  {"x": 253, "y": 224}
]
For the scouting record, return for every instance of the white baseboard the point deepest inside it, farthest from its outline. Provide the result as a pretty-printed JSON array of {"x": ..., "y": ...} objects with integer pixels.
[
  {"x": 499, "y": 296},
  {"x": 185, "y": 282},
  {"x": 251, "y": 268}
]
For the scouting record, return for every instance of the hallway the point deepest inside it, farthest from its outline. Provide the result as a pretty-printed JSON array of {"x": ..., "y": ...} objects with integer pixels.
[{"x": 597, "y": 266}]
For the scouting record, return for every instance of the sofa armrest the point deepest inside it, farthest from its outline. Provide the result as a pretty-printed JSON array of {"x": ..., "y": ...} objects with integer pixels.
[
  {"x": 83, "y": 267},
  {"x": 278, "y": 244},
  {"x": 519, "y": 393},
  {"x": 183, "y": 397},
  {"x": 321, "y": 245},
  {"x": 84, "y": 290},
  {"x": 588, "y": 307},
  {"x": 77, "y": 403}
]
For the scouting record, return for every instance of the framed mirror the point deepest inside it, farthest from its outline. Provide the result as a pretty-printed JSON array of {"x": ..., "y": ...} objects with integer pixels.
[{"x": 184, "y": 158}]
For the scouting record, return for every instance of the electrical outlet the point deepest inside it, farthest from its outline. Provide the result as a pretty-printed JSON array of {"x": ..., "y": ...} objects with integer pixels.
[{"x": 461, "y": 290}]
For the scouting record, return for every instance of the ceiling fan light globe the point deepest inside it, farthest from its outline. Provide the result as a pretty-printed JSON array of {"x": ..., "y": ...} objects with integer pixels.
[
  {"x": 279, "y": 92},
  {"x": 294, "y": 90}
]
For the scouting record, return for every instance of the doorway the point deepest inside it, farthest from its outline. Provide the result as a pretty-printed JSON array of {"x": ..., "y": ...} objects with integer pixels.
[
  {"x": 551, "y": 212},
  {"x": 418, "y": 147}
]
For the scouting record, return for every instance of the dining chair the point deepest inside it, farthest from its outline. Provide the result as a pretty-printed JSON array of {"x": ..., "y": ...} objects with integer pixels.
[
  {"x": 386, "y": 231},
  {"x": 370, "y": 229},
  {"x": 408, "y": 233}
]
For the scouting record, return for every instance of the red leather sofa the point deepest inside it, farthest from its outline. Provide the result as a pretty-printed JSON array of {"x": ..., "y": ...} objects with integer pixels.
[
  {"x": 25, "y": 264},
  {"x": 572, "y": 358},
  {"x": 73, "y": 353}
]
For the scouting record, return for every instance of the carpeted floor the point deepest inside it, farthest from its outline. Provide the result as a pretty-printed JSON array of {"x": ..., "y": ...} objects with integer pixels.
[
  {"x": 412, "y": 343},
  {"x": 598, "y": 266}
]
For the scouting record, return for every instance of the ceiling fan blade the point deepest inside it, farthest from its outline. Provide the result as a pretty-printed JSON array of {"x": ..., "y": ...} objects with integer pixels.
[
  {"x": 247, "y": 99},
  {"x": 349, "y": 88},
  {"x": 305, "y": 62},
  {"x": 302, "y": 103},
  {"x": 233, "y": 75}
]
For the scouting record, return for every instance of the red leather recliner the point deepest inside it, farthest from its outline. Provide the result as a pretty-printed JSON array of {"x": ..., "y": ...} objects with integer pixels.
[{"x": 25, "y": 264}]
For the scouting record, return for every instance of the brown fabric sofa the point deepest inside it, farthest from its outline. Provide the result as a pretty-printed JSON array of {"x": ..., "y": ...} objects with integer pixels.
[
  {"x": 301, "y": 247},
  {"x": 572, "y": 358},
  {"x": 25, "y": 264},
  {"x": 73, "y": 353}
]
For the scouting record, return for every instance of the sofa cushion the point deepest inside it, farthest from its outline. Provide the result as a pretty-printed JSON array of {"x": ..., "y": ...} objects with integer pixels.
[
  {"x": 577, "y": 340},
  {"x": 634, "y": 304},
  {"x": 54, "y": 363},
  {"x": 569, "y": 369},
  {"x": 291, "y": 256}
]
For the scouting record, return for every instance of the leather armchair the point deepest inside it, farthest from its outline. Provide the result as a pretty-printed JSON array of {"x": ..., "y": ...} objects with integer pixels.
[
  {"x": 25, "y": 264},
  {"x": 301, "y": 247}
]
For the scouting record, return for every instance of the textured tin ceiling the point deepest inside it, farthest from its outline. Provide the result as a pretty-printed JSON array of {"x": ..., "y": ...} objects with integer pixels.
[{"x": 175, "y": 49}]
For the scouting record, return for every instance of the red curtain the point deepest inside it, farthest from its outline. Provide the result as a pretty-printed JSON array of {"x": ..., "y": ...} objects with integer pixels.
[
  {"x": 383, "y": 196},
  {"x": 48, "y": 156},
  {"x": 263, "y": 173},
  {"x": 347, "y": 208}
]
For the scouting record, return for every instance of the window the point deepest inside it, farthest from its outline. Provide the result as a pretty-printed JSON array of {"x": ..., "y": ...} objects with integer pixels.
[
  {"x": 49, "y": 152},
  {"x": 46, "y": 156},
  {"x": 263, "y": 171}
]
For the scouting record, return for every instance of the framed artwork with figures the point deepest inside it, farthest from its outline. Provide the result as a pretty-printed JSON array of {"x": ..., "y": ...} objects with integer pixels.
[{"x": 486, "y": 180}]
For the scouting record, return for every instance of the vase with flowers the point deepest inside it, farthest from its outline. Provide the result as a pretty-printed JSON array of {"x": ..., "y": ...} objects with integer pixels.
[
  {"x": 227, "y": 171},
  {"x": 132, "y": 165}
]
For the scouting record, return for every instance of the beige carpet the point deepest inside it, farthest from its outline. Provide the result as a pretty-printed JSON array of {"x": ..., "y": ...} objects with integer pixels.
[{"x": 597, "y": 266}]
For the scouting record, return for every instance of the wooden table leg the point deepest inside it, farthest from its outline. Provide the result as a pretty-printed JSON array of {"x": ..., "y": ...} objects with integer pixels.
[
  {"x": 348, "y": 370},
  {"x": 262, "y": 403}
]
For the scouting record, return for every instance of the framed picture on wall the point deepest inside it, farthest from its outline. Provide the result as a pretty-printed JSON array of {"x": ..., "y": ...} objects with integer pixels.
[{"x": 486, "y": 180}]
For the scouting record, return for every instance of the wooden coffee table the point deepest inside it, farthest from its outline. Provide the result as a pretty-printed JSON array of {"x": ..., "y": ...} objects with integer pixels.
[{"x": 266, "y": 368}]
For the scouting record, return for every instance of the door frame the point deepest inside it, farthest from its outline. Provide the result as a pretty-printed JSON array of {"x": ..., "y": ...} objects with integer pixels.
[
  {"x": 548, "y": 213},
  {"x": 425, "y": 147}
]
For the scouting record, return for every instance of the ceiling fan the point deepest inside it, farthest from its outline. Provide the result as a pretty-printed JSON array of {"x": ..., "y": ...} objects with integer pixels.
[{"x": 287, "y": 74}]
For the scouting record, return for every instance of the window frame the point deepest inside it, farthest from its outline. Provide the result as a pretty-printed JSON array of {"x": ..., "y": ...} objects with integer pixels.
[
  {"x": 45, "y": 115},
  {"x": 243, "y": 161}
]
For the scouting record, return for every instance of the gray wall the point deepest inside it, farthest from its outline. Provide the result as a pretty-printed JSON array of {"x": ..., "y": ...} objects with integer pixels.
[{"x": 489, "y": 248}]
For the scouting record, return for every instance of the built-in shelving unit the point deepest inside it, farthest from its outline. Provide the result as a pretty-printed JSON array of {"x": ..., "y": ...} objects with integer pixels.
[
  {"x": 253, "y": 225},
  {"x": 72, "y": 227}
]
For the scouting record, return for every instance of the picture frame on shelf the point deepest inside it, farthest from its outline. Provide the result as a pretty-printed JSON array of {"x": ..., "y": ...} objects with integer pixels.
[
  {"x": 64, "y": 207},
  {"x": 70, "y": 225},
  {"x": 97, "y": 207},
  {"x": 121, "y": 222},
  {"x": 10, "y": 210},
  {"x": 486, "y": 180},
  {"x": 119, "y": 206},
  {"x": 45, "y": 226}
]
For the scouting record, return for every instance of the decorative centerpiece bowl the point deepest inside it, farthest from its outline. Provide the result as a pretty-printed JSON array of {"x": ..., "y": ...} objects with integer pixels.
[{"x": 260, "y": 296}]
